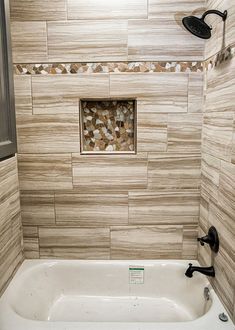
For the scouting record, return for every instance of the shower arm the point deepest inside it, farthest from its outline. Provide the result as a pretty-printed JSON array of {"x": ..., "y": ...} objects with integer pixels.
[{"x": 217, "y": 12}]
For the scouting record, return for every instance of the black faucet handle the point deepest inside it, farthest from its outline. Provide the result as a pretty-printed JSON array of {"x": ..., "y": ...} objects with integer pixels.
[{"x": 212, "y": 239}]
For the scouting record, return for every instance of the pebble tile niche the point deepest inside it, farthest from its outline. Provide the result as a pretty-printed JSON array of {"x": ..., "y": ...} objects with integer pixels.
[{"x": 108, "y": 126}]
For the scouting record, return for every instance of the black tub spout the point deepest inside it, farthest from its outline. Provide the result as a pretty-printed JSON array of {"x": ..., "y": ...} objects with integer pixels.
[{"x": 208, "y": 271}]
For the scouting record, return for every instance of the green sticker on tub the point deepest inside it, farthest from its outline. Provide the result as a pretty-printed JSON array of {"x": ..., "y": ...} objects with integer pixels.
[{"x": 136, "y": 274}]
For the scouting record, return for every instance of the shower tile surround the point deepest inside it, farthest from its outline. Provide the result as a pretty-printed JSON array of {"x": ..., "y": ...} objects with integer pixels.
[{"x": 118, "y": 206}]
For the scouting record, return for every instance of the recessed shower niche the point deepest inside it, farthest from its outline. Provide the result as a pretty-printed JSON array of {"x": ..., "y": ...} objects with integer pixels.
[{"x": 108, "y": 126}]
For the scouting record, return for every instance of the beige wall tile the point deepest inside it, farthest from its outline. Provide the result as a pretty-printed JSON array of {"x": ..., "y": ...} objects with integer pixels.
[
  {"x": 103, "y": 173},
  {"x": 37, "y": 208},
  {"x": 163, "y": 207},
  {"x": 195, "y": 92},
  {"x": 74, "y": 40},
  {"x": 10, "y": 221},
  {"x": 151, "y": 132},
  {"x": 48, "y": 133},
  {"x": 29, "y": 42},
  {"x": 220, "y": 94},
  {"x": 23, "y": 95},
  {"x": 204, "y": 214},
  {"x": 45, "y": 171},
  {"x": 31, "y": 10},
  {"x": 210, "y": 177},
  {"x": 184, "y": 132},
  {"x": 222, "y": 34},
  {"x": 224, "y": 283},
  {"x": 30, "y": 231},
  {"x": 31, "y": 248},
  {"x": 9, "y": 193},
  {"x": 174, "y": 171},
  {"x": 173, "y": 41},
  {"x": 156, "y": 92},
  {"x": 153, "y": 242},
  {"x": 79, "y": 243},
  {"x": 190, "y": 234},
  {"x": 175, "y": 9},
  {"x": 227, "y": 188},
  {"x": 233, "y": 143},
  {"x": 55, "y": 89},
  {"x": 55, "y": 105},
  {"x": 217, "y": 134},
  {"x": 105, "y": 9},
  {"x": 225, "y": 225},
  {"x": 91, "y": 210}
]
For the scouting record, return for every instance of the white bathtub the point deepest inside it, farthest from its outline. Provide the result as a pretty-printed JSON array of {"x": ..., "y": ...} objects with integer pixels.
[{"x": 109, "y": 295}]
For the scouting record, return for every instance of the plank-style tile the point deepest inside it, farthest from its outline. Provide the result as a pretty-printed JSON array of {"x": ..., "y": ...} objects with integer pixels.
[
  {"x": 195, "y": 92},
  {"x": 30, "y": 231},
  {"x": 210, "y": 177},
  {"x": 174, "y": 171},
  {"x": 156, "y": 92},
  {"x": 37, "y": 208},
  {"x": 10, "y": 221},
  {"x": 227, "y": 188},
  {"x": 9, "y": 192},
  {"x": 29, "y": 42},
  {"x": 222, "y": 33},
  {"x": 45, "y": 171},
  {"x": 78, "y": 243},
  {"x": 162, "y": 40},
  {"x": 152, "y": 242},
  {"x": 87, "y": 40},
  {"x": 170, "y": 10},
  {"x": 10, "y": 259},
  {"x": 223, "y": 282},
  {"x": 105, "y": 173},
  {"x": 184, "y": 132},
  {"x": 54, "y": 89},
  {"x": 55, "y": 105},
  {"x": 233, "y": 143},
  {"x": 31, "y": 242},
  {"x": 23, "y": 95},
  {"x": 160, "y": 207},
  {"x": 48, "y": 133},
  {"x": 93, "y": 210},
  {"x": 225, "y": 226},
  {"x": 151, "y": 132},
  {"x": 31, "y": 248},
  {"x": 218, "y": 134},
  {"x": 204, "y": 214},
  {"x": 31, "y": 10},
  {"x": 220, "y": 94},
  {"x": 104, "y": 9},
  {"x": 190, "y": 234}
]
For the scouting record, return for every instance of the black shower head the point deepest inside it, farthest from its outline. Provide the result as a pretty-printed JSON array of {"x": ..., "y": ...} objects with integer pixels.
[{"x": 198, "y": 26}]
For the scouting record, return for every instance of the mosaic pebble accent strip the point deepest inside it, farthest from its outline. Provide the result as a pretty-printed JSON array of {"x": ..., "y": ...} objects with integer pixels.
[
  {"x": 108, "y": 126},
  {"x": 122, "y": 67},
  {"x": 102, "y": 67},
  {"x": 218, "y": 59}
]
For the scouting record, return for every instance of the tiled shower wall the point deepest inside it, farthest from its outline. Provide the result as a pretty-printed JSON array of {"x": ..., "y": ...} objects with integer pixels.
[
  {"x": 11, "y": 243},
  {"x": 108, "y": 206},
  {"x": 218, "y": 154}
]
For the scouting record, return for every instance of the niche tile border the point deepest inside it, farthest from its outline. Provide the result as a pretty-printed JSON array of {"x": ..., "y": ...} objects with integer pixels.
[{"x": 108, "y": 126}]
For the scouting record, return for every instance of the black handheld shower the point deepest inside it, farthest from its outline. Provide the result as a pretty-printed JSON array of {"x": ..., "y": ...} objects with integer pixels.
[{"x": 198, "y": 26}]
